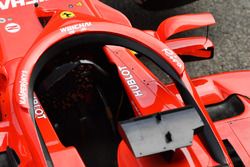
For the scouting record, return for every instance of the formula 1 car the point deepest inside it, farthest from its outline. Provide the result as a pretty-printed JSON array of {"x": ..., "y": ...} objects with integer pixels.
[{"x": 79, "y": 86}]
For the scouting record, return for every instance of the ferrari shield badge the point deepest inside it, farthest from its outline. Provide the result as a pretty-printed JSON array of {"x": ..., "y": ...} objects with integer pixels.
[{"x": 67, "y": 15}]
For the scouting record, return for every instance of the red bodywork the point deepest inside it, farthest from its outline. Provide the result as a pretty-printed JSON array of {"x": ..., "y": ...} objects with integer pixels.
[{"x": 19, "y": 52}]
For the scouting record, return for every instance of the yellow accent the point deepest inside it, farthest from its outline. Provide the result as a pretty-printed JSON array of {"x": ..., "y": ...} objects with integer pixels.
[
  {"x": 79, "y": 4},
  {"x": 133, "y": 52},
  {"x": 67, "y": 15}
]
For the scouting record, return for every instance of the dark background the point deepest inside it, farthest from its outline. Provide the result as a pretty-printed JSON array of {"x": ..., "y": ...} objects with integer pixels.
[{"x": 231, "y": 34}]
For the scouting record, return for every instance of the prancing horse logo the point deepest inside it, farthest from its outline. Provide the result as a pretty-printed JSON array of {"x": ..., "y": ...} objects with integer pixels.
[{"x": 67, "y": 15}]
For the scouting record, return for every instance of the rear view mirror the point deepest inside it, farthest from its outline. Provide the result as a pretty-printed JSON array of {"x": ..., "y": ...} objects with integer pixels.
[
  {"x": 192, "y": 48},
  {"x": 188, "y": 48}
]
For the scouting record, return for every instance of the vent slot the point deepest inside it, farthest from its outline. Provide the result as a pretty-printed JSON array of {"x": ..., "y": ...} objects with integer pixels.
[
  {"x": 44, "y": 20},
  {"x": 230, "y": 107},
  {"x": 9, "y": 158}
]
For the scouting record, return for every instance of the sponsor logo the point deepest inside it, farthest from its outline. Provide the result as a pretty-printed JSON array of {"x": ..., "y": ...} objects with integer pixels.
[
  {"x": 12, "y": 27},
  {"x": 173, "y": 57},
  {"x": 2, "y": 20},
  {"x": 67, "y": 15},
  {"x": 23, "y": 87},
  {"x": 80, "y": 27},
  {"x": 6, "y": 4},
  {"x": 10, "y": 19},
  {"x": 39, "y": 112},
  {"x": 130, "y": 81}
]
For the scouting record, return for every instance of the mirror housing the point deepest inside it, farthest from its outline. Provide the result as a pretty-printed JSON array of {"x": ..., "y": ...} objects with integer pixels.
[
  {"x": 192, "y": 48},
  {"x": 188, "y": 48}
]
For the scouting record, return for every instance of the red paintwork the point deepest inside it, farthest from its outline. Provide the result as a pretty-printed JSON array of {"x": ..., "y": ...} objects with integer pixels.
[
  {"x": 189, "y": 45},
  {"x": 20, "y": 51},
  {"x": 195, "y": 46},
  {"x": 182, "y": 23}
]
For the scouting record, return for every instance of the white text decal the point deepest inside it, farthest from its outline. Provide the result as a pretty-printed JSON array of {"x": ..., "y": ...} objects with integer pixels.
[
  {"x": 130, "y": 81},
  {"x": 23, "y": 87},
  {"x": 76, "y": 27},
  {"x": 16, "y": 3},
  {"x": 38, "y": 109},
  {"x": 172, "y": 56}
]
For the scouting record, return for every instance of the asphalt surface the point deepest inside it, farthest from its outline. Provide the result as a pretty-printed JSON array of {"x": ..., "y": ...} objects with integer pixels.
[{"x": 231, "y": 34}]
